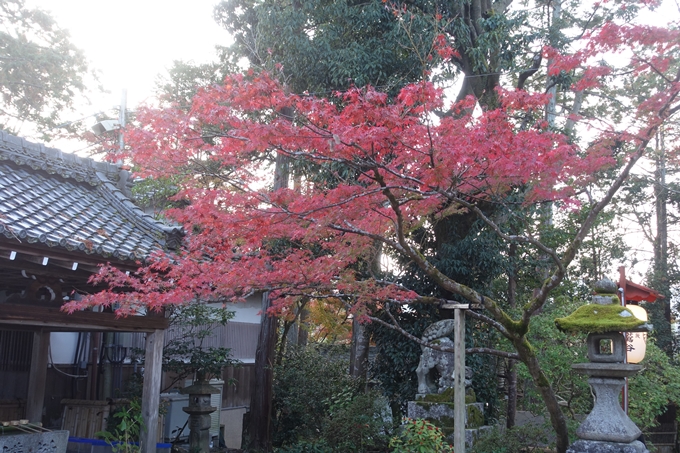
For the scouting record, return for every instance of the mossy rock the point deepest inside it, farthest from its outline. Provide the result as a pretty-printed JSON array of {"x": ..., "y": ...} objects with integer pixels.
[
  {"x": 447, "y": 430},
  {"x": 448, "y": 395},
  {"x": 599, "y": 318},
  {"x": 475, "y": 417},
  {"x": 442, "y": 422},
  {"x": 428, "y": 404}
]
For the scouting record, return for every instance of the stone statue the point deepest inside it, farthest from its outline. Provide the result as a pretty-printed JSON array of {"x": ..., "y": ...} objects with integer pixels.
[{"x": 434, "y": 362}]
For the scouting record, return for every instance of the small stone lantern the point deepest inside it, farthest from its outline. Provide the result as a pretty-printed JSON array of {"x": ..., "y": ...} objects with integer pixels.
[
  {"x": 199, "y": 410},
  {"x": 607, "y": 429}
]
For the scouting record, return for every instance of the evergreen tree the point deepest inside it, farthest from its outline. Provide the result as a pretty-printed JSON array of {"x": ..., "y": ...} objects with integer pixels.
[{"x": 41, "y": 72}]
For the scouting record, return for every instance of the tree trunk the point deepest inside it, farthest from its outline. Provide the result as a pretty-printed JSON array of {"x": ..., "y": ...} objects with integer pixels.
[
  {"x": 510, "y": 371},
  {"x": 303, "y": 334},
  {"x": 259, "y": 429},
  {"x": 262, "y": 392},
  {"x": 660, "y": 311},
  {"x": 511, "y": 382},
  {"x": 359, "y": 354},
  {"x": 557, "y": 420}
]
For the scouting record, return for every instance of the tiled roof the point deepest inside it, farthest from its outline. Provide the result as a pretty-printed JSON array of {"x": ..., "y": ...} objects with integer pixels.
[{"x": 78, "y": 204}]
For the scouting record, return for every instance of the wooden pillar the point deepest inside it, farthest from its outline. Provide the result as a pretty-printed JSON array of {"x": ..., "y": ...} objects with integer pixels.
[
  {"x": 459, "y": 409},
  {"x": 37, "y": 376},
  {"x": 153, "y": 362}
]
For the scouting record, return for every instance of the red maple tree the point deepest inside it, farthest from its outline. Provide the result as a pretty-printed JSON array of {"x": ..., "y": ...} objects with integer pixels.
[{"x": 392, "y": 166}]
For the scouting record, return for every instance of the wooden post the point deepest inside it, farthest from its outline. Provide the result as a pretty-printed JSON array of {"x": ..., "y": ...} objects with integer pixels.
[
  {"x": 37, "y": 377},
  {"x": 460, "y": 412},
  {"x": 153, "y": 362}
]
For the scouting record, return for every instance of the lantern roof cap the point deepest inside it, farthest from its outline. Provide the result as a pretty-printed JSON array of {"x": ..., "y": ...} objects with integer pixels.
[{"x": 599, "y": 318}]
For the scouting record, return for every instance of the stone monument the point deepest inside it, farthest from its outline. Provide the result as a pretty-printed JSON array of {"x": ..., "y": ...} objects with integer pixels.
[
  {"x": 435, "y": 398},
  {"x": 607, "y": 429},
  {"x": 199, "y": 410}
]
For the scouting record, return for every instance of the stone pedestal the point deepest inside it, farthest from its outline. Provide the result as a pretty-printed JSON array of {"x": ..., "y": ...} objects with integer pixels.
[
  {"x": 607, "y": 429},
  {"x": 438, "y": 409},
  {"x": 44, "y": 442},
  {"x": 607, "y": 421},
  {"x": 594, "y": 446}
]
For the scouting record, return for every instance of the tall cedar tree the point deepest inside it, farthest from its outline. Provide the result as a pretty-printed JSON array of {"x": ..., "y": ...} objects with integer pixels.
[{"x": 41, "y": 72}]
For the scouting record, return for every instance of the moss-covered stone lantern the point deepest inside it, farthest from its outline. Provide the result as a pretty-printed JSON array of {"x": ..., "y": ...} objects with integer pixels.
[{"x": 607, "y": 429}]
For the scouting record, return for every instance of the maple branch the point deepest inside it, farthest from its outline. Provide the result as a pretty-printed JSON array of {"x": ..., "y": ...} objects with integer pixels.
[
  {"x": 397, "y": 328},
  {"x": 496, "y": 352},
  {"x": 648, "y": 63},
  {"x": 438, "y": 277},
  {"x": 554, "y": 280},
  {"x": 510, "y": 238},
  {"x": 488, "y": 320}
]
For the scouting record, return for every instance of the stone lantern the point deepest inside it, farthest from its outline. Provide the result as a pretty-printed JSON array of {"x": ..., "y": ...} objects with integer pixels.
[
  {"x": 607, "y": 429},
  {"x": 199, "y": 410}
]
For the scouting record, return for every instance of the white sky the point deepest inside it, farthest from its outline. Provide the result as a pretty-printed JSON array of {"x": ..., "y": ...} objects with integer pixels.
[{"x": 131, "y": 42}]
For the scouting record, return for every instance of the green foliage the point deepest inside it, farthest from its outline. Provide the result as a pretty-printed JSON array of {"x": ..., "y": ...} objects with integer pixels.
[
  {"x": 656, "y": 386},
  {"x": 41, "y": 72},
  {"x": 156, "y": 194},
  {"x": 305, "y": 384},
  {"x": 397, "y": 358},
  {"x": 124, "y": 428},
  {"x": 306, "y": 446},
  {"x": 184, "y": 79},
  {"x": 356, "y": 425},
  {"x": 521, "y": 439},
  {"x": 420, "y": 436},
  {"x": 328, "y": 45},
  {"x": 319, "y": 407},
  {"x": 557, "y": 351},
  {"x": 186, "y": 354}
]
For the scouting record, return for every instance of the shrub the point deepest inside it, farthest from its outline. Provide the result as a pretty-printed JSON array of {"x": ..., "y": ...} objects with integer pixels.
[
  {"x": 303, "y": 446},
  {"x": 520, "y": 439},
  {"x": 305, "y": 384},
  {"x": 320, "y": 408},
  {"x": 356, "y": 425},
  {"x": 420, "y": 436},
  {"x": 124, "y": 428}
]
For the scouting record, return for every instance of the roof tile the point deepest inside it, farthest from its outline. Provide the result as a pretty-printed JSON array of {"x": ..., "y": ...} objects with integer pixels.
[{"x": 62, "y": 200}]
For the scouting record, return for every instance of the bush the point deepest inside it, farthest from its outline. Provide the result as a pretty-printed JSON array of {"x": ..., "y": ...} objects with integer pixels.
[
  {"x": 320, "y": 408},
  {"x": 520, "y": 439},
  {"x": 420, "y": 436},
  {"x": 356, "y": 426},
  {"x": 654, "y": 388},
  {"x": 305, "y": 383},
  {"x": 303, "y": 446}
]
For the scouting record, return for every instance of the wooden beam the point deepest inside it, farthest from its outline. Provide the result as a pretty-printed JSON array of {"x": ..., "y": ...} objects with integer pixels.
[
  {"x": 37, "y": 377},
  {"x": 42, "y": 250},
  {"x": 34, "y": 317},
  {"x": 153, "y": 362},
  {"x": 455, "y": 306}
]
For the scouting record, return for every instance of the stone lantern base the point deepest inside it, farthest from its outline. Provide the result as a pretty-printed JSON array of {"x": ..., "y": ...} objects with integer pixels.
[
  {"x": 596, "y": 446},
  {"x": 607, "y": 429}
]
